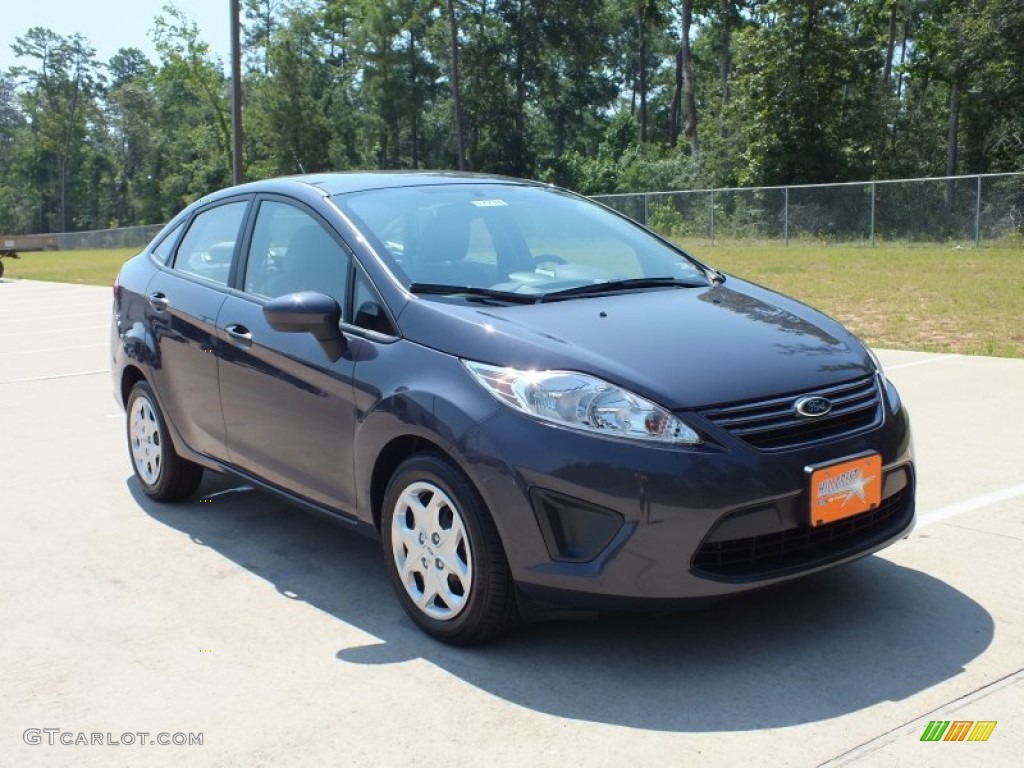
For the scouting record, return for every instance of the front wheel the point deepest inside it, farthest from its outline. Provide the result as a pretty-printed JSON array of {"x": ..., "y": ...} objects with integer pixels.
[
  {"x": 161, "y": 472},
  {"x": 444, "y": 554}
]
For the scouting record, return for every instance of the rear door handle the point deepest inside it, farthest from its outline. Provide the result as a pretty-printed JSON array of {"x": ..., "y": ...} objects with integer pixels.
[
  {"x": 239, "y": 335},
  {"x": 159, "y": 301}
]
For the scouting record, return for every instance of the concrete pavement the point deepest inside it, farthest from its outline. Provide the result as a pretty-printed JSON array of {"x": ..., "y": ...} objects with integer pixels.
[{"x": 275, "y": 634}]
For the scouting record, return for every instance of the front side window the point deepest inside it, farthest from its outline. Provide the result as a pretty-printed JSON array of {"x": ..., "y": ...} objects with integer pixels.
[
  {"x": 209, "y": 245},
  {"x": 291, "y": 251}
]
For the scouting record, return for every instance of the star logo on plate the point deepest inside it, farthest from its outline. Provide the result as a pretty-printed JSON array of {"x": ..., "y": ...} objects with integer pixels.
[{"x": 855, "y": 487}]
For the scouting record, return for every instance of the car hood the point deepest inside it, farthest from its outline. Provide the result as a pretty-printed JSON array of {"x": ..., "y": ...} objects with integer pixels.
[{"x": 681, "y": 347}]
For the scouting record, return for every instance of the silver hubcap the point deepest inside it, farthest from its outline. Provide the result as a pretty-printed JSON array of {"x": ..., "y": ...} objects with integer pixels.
[
  {"x": 431, "y": 551},
  {"x": 146, "y": 441}
]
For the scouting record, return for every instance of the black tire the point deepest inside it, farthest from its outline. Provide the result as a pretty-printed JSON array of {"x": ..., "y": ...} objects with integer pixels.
[
  {"x": 489, "y": 606},
  {"x": 1, "y": 268},
  {"x": 161, "y": 472}
]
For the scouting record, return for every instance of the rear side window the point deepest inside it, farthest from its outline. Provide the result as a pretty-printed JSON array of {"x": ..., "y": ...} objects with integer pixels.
[
  {"x": 208, "y": 246},
  {"x": 163, "y": 250}
]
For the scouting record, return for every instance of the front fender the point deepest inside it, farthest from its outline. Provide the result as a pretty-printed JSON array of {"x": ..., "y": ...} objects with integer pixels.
[{"x": 445, "y": 405}]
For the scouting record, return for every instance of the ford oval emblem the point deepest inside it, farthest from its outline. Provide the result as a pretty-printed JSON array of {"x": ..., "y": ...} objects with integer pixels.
[{"x": 813, "y": 407}]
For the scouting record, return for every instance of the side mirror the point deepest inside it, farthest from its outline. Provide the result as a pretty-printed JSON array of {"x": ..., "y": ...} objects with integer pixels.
[{"x": 308, "y": 312}]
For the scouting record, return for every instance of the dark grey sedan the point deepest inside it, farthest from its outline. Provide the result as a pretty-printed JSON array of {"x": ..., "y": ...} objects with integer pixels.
[{"x": 537, "y": 404}]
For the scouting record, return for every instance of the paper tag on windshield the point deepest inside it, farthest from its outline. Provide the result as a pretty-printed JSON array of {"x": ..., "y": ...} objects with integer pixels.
[{"x": 488, "y": 203}]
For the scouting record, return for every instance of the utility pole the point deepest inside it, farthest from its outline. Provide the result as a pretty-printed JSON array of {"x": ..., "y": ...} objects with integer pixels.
[
  {"x": 460, "y": 141},
  {"x": 236, "y": 94}
]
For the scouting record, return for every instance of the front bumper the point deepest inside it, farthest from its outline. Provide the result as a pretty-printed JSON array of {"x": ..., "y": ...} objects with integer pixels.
[{"x": 652, "y": 526}]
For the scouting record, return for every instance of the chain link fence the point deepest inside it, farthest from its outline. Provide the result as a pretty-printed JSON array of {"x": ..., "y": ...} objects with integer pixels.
[
  {"x": 979, "y": 210},
  {"x": 101, "y": 239}
]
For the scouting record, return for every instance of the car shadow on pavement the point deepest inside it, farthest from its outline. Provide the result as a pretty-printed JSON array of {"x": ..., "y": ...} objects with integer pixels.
[{"x": 815, "y": 649}]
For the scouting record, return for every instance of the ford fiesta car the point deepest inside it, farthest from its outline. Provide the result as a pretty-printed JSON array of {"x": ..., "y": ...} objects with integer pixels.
[{"x": 535, "y": 403}]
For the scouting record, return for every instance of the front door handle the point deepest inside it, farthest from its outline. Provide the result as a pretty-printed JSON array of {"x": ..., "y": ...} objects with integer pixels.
[
  {"x": 239, "y": 335},
  {"x": 158, "y": 301}
]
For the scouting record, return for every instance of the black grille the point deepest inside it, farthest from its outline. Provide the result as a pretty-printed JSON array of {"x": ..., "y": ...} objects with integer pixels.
[
  {"x": 772, "y": 553},
  {"x": 775, "y": 425}
]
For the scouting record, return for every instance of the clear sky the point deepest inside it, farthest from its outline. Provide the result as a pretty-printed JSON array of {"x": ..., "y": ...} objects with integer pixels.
[{"x": 110, "y": 24}]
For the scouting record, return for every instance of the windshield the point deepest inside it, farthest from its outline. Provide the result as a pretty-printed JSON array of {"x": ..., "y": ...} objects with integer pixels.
[{"x": 510, "y": 239}]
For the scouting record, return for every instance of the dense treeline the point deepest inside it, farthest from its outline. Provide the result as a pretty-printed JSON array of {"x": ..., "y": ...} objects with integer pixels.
[{"x": 596, "y": 95}]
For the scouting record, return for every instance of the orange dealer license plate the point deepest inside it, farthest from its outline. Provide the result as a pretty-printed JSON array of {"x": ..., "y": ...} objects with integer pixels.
[{"x": 845, "y": 489}]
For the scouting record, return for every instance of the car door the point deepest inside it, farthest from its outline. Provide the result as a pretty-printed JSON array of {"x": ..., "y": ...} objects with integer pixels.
[
  {"x": 184, "y": 299},
  {"x": 288, "y": 407}
]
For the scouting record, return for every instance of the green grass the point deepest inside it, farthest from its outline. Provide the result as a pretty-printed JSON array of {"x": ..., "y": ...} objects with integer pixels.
[
  {"x": 84, "y": 267},
  {"x": 941, "y": 299},
  {"x": 937, "y": 298}
]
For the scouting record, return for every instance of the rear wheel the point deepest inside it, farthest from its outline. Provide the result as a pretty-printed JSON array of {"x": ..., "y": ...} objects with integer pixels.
[
  {"x": 444, "y": 554},
  {"x": 161, "y": 472}
]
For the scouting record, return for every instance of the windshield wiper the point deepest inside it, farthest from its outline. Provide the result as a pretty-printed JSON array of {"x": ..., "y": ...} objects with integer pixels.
[
  {"x": 623, "y": 285},
  {"x": 471, "y": 291}
]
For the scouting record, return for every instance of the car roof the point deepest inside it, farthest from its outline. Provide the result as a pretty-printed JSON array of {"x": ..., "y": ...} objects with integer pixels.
[{"x": 361, "y": 181}]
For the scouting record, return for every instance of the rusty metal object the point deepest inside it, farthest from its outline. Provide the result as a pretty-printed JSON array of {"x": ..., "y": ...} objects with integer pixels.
[{"x": 7, "y": 253}]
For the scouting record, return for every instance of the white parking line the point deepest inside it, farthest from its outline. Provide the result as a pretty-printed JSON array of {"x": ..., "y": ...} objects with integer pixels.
[
  {"x": 969, "y": 505},
  {"x": 10, "y": 311},
  {"x": 55, "y": 376},
  {"x": 42, "y": 318},
  {"x": 51, "y": 349},
  {"x": 54, "y": 330},
  {"x": 36, "y": 293},
  {"x": 926, "y": 361}
]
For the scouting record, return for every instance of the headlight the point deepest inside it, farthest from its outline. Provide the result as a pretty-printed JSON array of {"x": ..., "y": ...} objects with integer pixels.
[
  {"x": 875, "y": 360},
  {"x": 582, "y": 402},
  {"x": 890, "y": 391}
]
